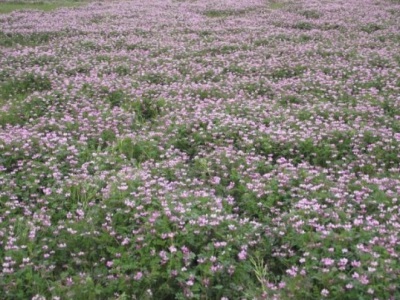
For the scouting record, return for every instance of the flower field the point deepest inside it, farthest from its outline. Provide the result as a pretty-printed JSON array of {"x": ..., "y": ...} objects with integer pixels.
[{"x": 187, "y": 149}]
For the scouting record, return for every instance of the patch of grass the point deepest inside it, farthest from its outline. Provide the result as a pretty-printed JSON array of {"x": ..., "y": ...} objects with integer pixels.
[
  {"x": 275, "y": 4},
  {"x": 281, "y": 37},
  {"x": 44, "y": 6},
  {"x": 23, "y": 86},
  {"x": 212, "y": 93},
  {"x": 262, "y": 42},
  {"x": 159, "y": 51},
  {"x": 258, "y": 88},
  {"x": 205, "y": 33},
  {"x": 106, "y": 138},
  {"x": 148, "y": 108},
  {"x": 371, "y": 27},
  {"x": 330, "y": 26},
  {"x": 234, "y": 68},
  {"x": 138, "y": 46},
  {"x": 123, "y": 70},
  {"x": 206, "y": 77},
  {"x": 377, "y": 83},
  {"x": 311, "y": 14},
  {"x": 138, "y": 150},
  {"x": 305, "y": 115},
  {"x": 288, "y": 72},
  {"x": 216, "y": 13},
  {"x": 226, "y": 49},
  {"x": 303, "y": 26},
  {"x": 289, "y": 99},
  {"x": 32, "y": 39},
  {"x": 387, "y": 156},
  {"x": 190, "y": 142},
  {"x": 89, "y": 45},
  {"x": 377, "y": 61},
  {"x": 79, "y": 69},
  {"x": 156, "y": 78},
  {"x": 116, "y": 98},
  {"x": 20, "y": 112},
  {"x": 304, "y": 38},
  {"x": 390, "y": 108},
  {"x": 333, "y": 148},
  {"x": 103, "y": 58}
]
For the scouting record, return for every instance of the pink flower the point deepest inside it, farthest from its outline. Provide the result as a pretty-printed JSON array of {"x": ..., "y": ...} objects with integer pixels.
[
  {"x": 292, "y": 271},
  {"x": 364, "y": 279},
  {"x": 47, "y": 191},
  {"x": 190, "y": 282},
  {"x": 215, "y": 180},
  {"x": 324, "y": 292},
  {"x": 69, "y": 281},
  {"x": 242, "y": 254},
  {"x": 328, "y": 261},
  {"x": 138, "y": 276}
]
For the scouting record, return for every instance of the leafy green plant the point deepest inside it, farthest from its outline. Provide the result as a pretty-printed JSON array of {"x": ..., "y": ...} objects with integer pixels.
[
  {"x": 215, "y": 13},
  {"x": 139, "y": 151},
  {"x": 303, "y": 26},
  {"x": 288, "y": 72},
  {"x": 371, "y": 27},
  {"x": 32, "y": 39}
]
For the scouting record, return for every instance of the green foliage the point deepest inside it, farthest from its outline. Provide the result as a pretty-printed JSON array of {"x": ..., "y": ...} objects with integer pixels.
[
  {"x": 377, "y": 83},
  {"x": 104, "y": 140},
  {"x": 258, "y": 88},
  {"x": 123, "y": 70},
  {"x": 156, "y": 78},
  {"x": 147, "y": 108},
  {"x": 206, "y": 76},
  {"x": 371, "y": 27},
  {"x": 262, "y": 42},
  {"x": 21, "y": 110},
  {"x": 221, "y": 50},
  {"x": 116, "y": 98},
  {"x": 311, "y": 14},
  {"x": 276, "y": 4},
  {"x": 379, "y": 62},
  {"x": 288, "y": 72},
  {"x": 27, "y": 84},
  {"x": 303, "y": 26},
  {"x": 289, "y": 99},
  {"x": 234, "y": 68},
  {"x": 7, "y": 7},
  {"x": 188, "y": 141},
  {"x": 321, "y": 154},
  {"x": 211, "y": 93},
  {"x": 137, "y": 150},
  {"x": 103, "y": 58},
  {"x": 215, "y": 13},
  {"x": 304, "y": 38},
  {"x": 390, "y": 108},
  {"x": 31, "y": 39},
  {"x": 304, "y": 115}
]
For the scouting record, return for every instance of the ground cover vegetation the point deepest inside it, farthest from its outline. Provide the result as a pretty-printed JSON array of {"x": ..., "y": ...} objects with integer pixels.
[
  {"x": 7, "y": 6},
  {"x": 201, "y": 150}
]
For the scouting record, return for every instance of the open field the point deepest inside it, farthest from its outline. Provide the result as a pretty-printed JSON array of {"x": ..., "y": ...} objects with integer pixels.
[
  {"x": 10, "y": 6},
  {"x": 160, "y": 149}
]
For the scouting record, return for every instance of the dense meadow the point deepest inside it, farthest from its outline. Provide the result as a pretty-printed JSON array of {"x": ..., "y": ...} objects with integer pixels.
[{"x": 233, "y": 149}]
